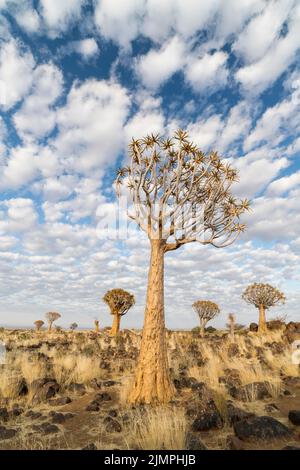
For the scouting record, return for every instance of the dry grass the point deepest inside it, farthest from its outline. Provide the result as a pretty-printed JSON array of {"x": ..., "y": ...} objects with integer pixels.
[{"x": 158, "y": 429}]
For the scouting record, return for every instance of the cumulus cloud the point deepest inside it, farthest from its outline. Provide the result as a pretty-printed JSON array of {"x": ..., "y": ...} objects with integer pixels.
[
  {"x": 59, "y": 15},
  {"x": 16, "y": 66},
  {"x": 258, "y": 76},
  {"x": 207, "y": 72},
  {"x": 86, "y": 48},
  {"x": 36, "y": 117}
]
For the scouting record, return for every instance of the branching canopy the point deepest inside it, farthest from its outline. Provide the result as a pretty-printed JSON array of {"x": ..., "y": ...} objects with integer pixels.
[
  {"x": 119, "y": 301},
  {"x": 206, "y": 310},
  {"x": 73, "y": 326},
  {"x": 39, "y": 324},
  {"x": 52, "y": 316},
  {"x": 181, "y": 194},
  {"x": 263, "y": 295}
]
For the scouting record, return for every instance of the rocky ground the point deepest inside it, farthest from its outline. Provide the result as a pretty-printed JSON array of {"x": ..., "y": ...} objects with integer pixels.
[{"x": 68, "y": 391}]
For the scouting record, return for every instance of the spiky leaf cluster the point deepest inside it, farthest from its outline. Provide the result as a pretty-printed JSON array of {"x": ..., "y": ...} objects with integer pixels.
[
  {"x": 263, "y": 294},
  {"x": 119, "y": 301},
  {"x": 52, "y": 316},
  {"x": 206, "y": 310},
  {"x": 173, "y": 185}
]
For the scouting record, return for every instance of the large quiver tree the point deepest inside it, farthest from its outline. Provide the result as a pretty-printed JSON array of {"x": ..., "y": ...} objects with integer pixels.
[
  {"x": 119, "y": 302},
  {"x": 52, "y": 317},
  {"x": 263, "y": 296},
  {"x": 179, "y": 195}
]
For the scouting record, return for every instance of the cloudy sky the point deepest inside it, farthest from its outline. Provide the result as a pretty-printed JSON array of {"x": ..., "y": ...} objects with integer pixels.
[{"x": 78, "y": 79}]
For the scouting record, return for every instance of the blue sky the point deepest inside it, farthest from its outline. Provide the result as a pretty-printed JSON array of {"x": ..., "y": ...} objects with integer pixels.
[{"x": 78, "y": 79}]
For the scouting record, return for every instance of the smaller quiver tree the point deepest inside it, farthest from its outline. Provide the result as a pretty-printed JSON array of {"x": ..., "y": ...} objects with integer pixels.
[
  {"x": 73, "y": 326},
  {"x": 263, "y": 296},
  {"x": 119, "y": 302},
  {"x": 51, "y": 318},
  {"x": 206, "y": 310},
  {"x": 96, "y": 323},
  {"x": 231, "y": 325},
  {"x": 39, "y": 324}
]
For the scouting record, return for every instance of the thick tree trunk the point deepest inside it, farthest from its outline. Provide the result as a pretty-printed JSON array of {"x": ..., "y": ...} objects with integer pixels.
[
  {"x": 232, "y": 332},
  {"x": 262, "y": 326},
  {"x": 116, "y": 325},
  {"x": 202, "y": 330},
  {"x": 50, "y": 326},
  {"x": 152, "y": 382},
  {"x": 96, "y": 326}
]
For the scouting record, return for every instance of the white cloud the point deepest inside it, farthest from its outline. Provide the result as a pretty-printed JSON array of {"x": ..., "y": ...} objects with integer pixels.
[
  {"x": 16, "y": 66},
  {"x": 265, "y": 28},
  {"x": 205, "y": 132},
  {"x": 283, "y": 185},
  {"x": 259, "y": 75},
  {"x": 59, "y": 15},
  {"x": 87, "y": 48},
  {"x": 237, "y": 125},
  {"x": 36, "y": 118},
  {"x": 28, "y": 19},
  {"x": 20, "y": 168},
  {"x": 119, "y": 22},
  {"x": 147, "y": 120},
  {"x": 91, "y": 125},
  {"x": 20, "y": 217},
  {"x": 277, "y": 122},
  {"x": 207, "y": 72}
]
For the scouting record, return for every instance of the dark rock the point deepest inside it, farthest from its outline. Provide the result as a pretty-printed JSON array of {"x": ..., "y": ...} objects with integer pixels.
[
  {"x": 95, "y": 384},
  {"x": 271, "y": 408},
  {"x": 23, "y": 388},
  {"x": 33, "y": 414},
  {"x": 235, "y": 414},
  {"x": 45, "y": 428},
  {"x": 6, "y": 433},
  {"x": 194, "y": 443},
  {"x": 60, "y": 401},
  {"x": 93, "y": 406},
  {"x": 44, "y": 389},
  {"x": 113, "y": 413},
  {"x": 4, "y": 416},
  {"x": 90, "y": 446},
  {"x": 77, "y": 388},
  {"x": 109, "y": 383},
  {"x": 294, "y": 417},
  {"x": 262, "y": 427},
  {"x": 113, "y": 426},
  {"x": 234, "y": 443},
  {"x": 253, "y": 327},
  {"x": 250, "y": 392},
  {"x": 99, "y": 397},
  {"x": 208, "y": 418},
  {"x": 16, "y": 411}
]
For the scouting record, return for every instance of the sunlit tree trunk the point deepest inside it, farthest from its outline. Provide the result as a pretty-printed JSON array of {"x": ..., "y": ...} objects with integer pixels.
[
  {"x": 202, "y": 330},
  {"x": 262, "y": 326},
  {"x": 152, "y": 382},
  {"x": 116, "y": 325},
  {"x": 96, "y": 326},
  {"x": 50, "y": 326}
]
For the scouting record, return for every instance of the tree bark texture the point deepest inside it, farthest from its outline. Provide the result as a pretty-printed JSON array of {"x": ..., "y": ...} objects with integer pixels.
[{"x": 152, "y": 381}]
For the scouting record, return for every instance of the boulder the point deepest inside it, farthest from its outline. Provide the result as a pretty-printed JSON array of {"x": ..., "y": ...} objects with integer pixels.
[
  {"x": 208, "y": 418},
  {"x": 262, "y": 427},
  {"x": 250, "y": 392},
  {"x": 294, "y": 417},
  {"x": 43, "y": 389},
  {"x": 253, "y": 327},
  {"x": 193, "y": 442}
]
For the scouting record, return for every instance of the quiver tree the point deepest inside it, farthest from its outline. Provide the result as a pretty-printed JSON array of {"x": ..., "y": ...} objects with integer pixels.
[
  {"x": 179, "y": 195},
  {"x": 73, "y": 326},
  {"x": 96, "y": 323},
  {"x": 51, "y": 318},
  {"x": 231, "y": 325},
  {"x": 119, "y": 302},
  {"x": 39, "y": 324},
  {"x": 263, "y": 296},
  {"x": 206, "y": 310}
]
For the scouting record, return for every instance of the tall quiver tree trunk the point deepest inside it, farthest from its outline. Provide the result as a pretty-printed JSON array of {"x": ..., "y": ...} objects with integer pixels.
[
  {"x": 116, "y": 325},
  {"x": 152, "y": 380},
  {"x": 202, "y": 330},
  {"x": 262, "y": 326}
]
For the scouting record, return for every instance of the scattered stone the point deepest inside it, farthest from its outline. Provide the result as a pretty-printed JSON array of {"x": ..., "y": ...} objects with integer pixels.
[
  {"x": 4, "y": 416},
  {"x": 235, "y": 414},
  {"x": 113, "y": 413},
  {"x": 262, "y": 427},
  {"x": 109, "y": 383},
  {"x": 90, "y": 446},
  {"x": 45, "y": 428},
  {"x": 294, "y": 417},
  {"x": 194, "y": 443},
  {"x": 99, "y": 397},
  {"x": 253, "y": 327},
  {"x": 208, "y": 418},
  {"x": 250, "y": 392},
  {"x": 6, "y": 433},
  {"x": 60, "y": 401},
  {"x": 113, "y": 426},
  {"x": 33, "y": 414},
  {"x": 43, "y": 389},
  {"x": 93, "y": 406}
]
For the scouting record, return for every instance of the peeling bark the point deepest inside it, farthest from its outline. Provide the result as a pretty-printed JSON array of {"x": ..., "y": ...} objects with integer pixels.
[
  {"x": 152, "y": 382},
  {"x": 262, "y": 326},
  {"x": 116, "y": 325}
]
